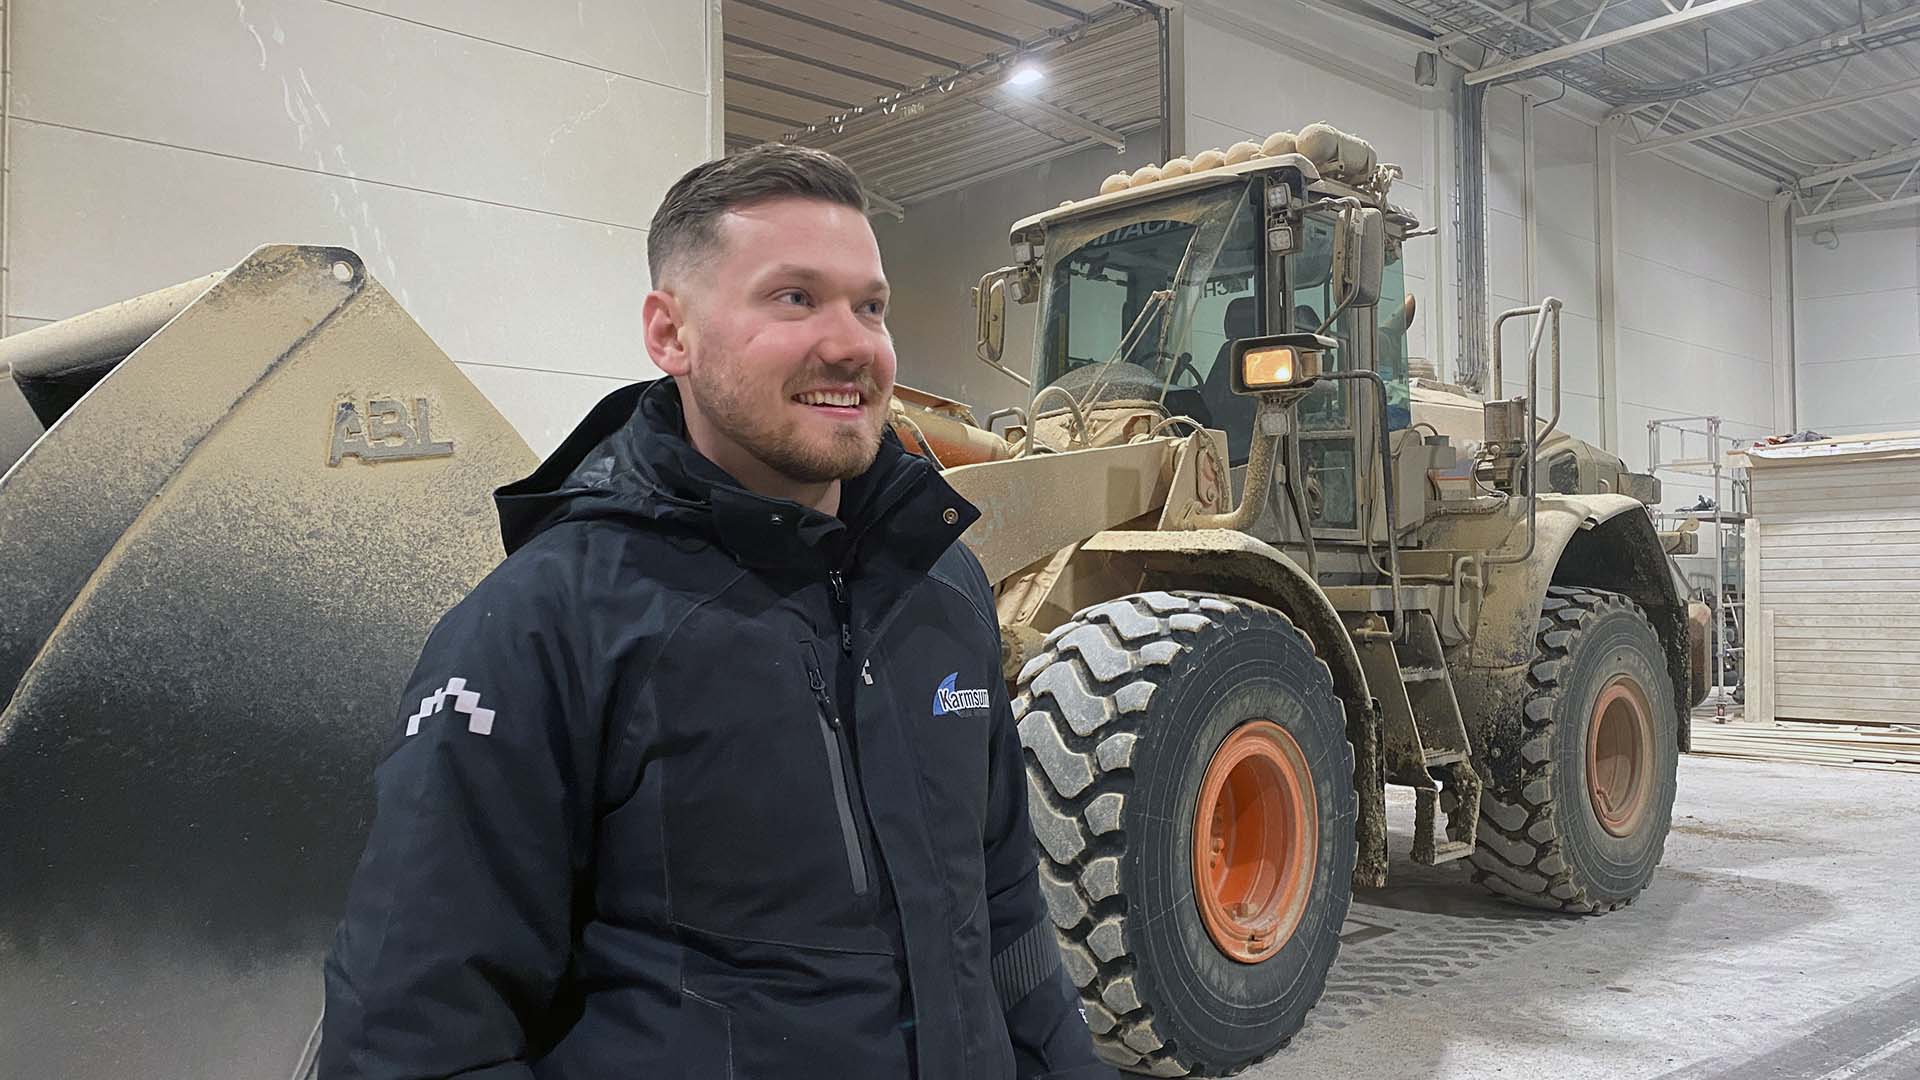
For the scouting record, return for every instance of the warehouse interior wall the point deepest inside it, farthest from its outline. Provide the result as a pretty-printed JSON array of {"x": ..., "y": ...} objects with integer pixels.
[
  {"x": 935, "y": 255},
  {"x": 1857, "y": 321},
  {"x": 495, "y": 163},
  {"x": 1694, "y": 276}
]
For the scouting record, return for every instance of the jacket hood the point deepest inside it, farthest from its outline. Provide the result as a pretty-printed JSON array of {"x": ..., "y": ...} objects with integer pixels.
[{"x": 630, "y": 458}]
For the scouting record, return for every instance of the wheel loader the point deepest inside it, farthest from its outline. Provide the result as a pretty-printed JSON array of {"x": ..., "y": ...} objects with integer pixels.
[{"x": 1248, "y": 573}]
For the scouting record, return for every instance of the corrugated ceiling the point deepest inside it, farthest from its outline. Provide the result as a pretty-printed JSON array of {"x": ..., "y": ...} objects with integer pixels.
[
  {"x": 913, "y": 92},
  {"x": 1756, "y": 59}
]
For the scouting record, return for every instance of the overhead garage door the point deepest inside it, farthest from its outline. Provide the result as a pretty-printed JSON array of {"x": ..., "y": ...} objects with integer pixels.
[{"x": 1835, "y": 555}]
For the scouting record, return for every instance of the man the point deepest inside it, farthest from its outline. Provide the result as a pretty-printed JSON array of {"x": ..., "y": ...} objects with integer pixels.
[{"x": 715, "y": 776}]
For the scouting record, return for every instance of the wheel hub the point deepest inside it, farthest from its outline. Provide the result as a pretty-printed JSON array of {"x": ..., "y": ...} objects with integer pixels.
[
  {"x": 1620, "y": 753},
  {"x": 1256, "y": 841}
]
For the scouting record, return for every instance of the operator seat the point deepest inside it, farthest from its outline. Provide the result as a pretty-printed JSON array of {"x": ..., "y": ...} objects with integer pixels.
[{"x": 1231, "y": 412}]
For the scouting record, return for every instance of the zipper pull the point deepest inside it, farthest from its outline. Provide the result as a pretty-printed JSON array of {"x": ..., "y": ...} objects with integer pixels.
[
  {"x": 815, "y": 681},
  {"x": 845, "y": 610}
]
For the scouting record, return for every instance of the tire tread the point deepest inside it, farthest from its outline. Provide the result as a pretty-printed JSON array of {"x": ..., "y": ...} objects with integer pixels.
[
  {"x": 1519, "y": 854},
  {"x": 1079, "y": 701}
]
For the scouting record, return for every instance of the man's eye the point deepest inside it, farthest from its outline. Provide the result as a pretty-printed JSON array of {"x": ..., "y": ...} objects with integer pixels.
[
  {"x": 876, "y": 308},
  {"x": 792, "y": 296}
]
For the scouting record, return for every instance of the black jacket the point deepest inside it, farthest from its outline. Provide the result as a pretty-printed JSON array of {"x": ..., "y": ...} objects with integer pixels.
[{"x": 703, "y": 784}]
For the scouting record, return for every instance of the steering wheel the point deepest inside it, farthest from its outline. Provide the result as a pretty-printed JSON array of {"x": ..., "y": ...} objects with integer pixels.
[{"x": 1183, "y": 365}]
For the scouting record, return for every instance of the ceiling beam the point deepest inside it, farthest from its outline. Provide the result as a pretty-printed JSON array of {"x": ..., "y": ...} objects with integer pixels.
[
  {"x": 849, "y": 32},
  {"x": 785, "y": 54},
  {"x": 880, "y": 204},
  {"x": 1763, "y": 119},
  {"x": 1861, "y": 167},
  {"x": 782, "y": 121},
  {"x": 790, "y": 91},
  {"x": 1879, "y": 34},
  {"x": 953, "y": 21},
  {"x": 1061, "y": 9},
  {"x": 1858, "y": 211},
  {"x": 1600, "y": 41},
  {"x": 1065, "y": 116}
]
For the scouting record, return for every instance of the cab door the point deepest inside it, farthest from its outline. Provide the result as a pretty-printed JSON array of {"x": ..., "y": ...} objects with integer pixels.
[{"x": 1338, "y": 425}]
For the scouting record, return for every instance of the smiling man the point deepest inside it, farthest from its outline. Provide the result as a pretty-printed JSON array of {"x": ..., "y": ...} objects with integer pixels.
[{"x": 715, "y": 777}]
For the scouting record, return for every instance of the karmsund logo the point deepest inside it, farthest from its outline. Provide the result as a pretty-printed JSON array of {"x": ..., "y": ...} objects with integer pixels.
[{"x": 947, "y": 700}]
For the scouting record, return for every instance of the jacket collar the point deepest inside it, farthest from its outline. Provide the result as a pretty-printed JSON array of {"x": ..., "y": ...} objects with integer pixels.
[{"x": 630, "y": 459}]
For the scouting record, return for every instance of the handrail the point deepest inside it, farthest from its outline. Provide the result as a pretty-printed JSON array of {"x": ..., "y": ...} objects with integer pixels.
[{"x": 1549, "y": 307}]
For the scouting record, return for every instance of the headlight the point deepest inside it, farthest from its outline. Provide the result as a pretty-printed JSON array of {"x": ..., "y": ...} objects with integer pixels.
[
  {"x": 1276, "y": 362},
  {"x": 1277, "y": 367}
]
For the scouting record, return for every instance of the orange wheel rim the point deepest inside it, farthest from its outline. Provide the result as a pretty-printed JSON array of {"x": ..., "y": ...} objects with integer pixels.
[
  {"x": 1620, "y": 756},
  {"x": 1256, "y": 841}
]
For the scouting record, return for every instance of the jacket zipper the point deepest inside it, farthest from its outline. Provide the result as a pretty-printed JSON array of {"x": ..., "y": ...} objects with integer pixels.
[
  {"x": 843, "y": 610},
  {"x": 834, "y": 737}
]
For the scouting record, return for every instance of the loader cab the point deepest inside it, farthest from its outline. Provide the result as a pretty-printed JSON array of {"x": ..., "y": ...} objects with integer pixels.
[
  {"x": 1143, "y": 302},
  {"x": 1106, "y": 326}
]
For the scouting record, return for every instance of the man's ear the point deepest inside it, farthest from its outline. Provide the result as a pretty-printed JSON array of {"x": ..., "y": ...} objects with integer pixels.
[{"x": 664, "y": 327}]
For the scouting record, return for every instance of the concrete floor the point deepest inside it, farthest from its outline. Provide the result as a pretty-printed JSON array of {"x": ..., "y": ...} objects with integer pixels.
[{"x": 1780, "y": 940}]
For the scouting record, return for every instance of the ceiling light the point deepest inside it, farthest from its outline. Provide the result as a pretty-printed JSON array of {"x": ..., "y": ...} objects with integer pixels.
[{"x": 1026, "y": 75}]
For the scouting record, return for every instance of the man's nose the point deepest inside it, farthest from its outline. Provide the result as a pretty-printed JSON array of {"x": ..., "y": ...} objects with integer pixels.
[{"x": 845, "y": 338}]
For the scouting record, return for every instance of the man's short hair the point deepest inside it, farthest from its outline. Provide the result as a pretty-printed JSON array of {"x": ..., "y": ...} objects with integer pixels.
[{"x": 688, "y": 221}]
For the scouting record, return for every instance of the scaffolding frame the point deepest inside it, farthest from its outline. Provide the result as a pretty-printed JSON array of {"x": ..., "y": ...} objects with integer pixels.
[{"x": 1714, "y": 466}]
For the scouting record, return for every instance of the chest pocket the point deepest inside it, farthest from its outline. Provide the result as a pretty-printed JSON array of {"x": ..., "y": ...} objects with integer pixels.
[
  {"x": 939, "y": 683},
  {"x": 758, "y": 810}
]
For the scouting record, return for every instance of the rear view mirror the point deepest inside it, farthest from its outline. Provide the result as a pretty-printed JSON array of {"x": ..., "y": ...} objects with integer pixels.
[
  {"x": 990, "y": 318},
  {"x": 1360, "y": 256},
  {"x": 990, "y": 315}
]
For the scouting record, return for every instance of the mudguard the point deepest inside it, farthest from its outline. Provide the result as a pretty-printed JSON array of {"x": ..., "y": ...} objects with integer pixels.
[
  {"x": 1236, "y": 564},
  {"x": 1599, "y": 541}
]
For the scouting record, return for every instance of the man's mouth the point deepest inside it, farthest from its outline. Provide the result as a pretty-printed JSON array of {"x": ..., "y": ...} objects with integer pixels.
[{"x": 837, "y": 403}]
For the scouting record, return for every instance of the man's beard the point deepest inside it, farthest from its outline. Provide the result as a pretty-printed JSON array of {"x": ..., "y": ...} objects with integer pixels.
[{"x": 848, "y": 454}]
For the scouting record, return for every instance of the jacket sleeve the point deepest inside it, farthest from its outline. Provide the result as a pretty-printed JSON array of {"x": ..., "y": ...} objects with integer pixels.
[
  {"x": 458, "y": 923},
  {"x": 1044, "y": 1022}
]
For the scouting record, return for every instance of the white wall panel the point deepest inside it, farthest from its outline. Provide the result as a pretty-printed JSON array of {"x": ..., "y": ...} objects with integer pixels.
[
  {"x": 1568, "y": 267},
  {"x": 1853, "y": 396},
  {"x": 1507, "y": 258},
  {"x": 1506, "y": 168},
  {"x": 354, "y": 93},
  {"x": 1566, "y": 178},
  {"x": 1677, "y": 217},
  {"x": 543, "y": 406},
  {"x": 1204, "y": 133},
  {"x": 1869, "y": 260},
  {"x": 494, "y": 162},
  {"x": 650, "y": 41},
  {"x": 1857, "y": 325}
]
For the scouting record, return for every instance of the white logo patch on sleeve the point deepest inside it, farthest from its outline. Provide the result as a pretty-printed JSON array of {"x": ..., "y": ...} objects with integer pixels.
[{"x": 479, "y": 720}]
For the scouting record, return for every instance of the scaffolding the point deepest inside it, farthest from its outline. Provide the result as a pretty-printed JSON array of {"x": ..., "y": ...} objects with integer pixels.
[{"x": 1729, "y": 527}]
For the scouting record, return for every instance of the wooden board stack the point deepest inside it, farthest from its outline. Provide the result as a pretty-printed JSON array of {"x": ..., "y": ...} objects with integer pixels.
[{"x": 1894, "y": 747}]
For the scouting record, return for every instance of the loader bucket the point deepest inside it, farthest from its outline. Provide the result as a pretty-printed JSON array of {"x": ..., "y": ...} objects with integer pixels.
[{"x": 217, "y": 567}]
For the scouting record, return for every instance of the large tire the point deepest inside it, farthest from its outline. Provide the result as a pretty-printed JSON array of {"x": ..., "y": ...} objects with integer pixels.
[
  {"x": 1122, "y": 717},
  {"x": 1582, "y": 822}
]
